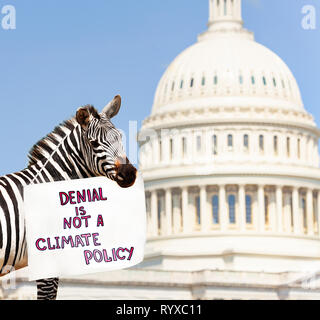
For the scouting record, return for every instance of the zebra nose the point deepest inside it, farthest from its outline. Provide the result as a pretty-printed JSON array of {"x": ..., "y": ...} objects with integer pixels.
[{"x": 126, "y": 174}]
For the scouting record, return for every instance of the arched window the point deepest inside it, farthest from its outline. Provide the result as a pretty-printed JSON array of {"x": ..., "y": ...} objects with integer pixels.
[
  {"x": 261, "y": 143},
  {"x": 264, "y": 80},
  {"x": 181, "y": 84},
  {"x": 288, "y": 147},
  {"x": 275, "y": 145},
  {"x": 198, "y": 216},
  {"x": 248, "y": 209},
  {"x": 215, "y": 80},
  {"x": 191, "y": 83},
  {"x": 215, "y": 209},
  {"x": 266, "y": 210},
  {"x": 214, "y": 145},
  {"x": 184, "y": 147},
  {"x": 299, "y": 148},
  {"x": 230, "y": 141},
  {"x": 246, "y": 142},
  {"x": 232, "y": 208}
]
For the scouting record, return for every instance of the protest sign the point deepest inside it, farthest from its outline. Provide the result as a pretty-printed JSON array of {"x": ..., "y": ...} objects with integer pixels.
[{"x": 84, "y": 226}]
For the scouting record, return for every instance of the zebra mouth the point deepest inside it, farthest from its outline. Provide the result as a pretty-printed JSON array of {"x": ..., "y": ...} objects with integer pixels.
[{"x": 126, "y": 177}]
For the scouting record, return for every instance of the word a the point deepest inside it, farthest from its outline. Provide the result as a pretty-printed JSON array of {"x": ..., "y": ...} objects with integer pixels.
[
  {"x": 8, "y": 22},
  {"x": 309, "y": 20}
]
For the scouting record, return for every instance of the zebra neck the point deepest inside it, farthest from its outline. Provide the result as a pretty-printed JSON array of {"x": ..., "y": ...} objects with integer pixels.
[{"x": 59, "y": 157}]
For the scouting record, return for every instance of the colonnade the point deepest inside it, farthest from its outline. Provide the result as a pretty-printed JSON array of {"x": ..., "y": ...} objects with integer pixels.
[{"x": 223, "y": 208}]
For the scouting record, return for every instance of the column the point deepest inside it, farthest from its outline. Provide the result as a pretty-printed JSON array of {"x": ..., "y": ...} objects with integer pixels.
[
  {"x": 261, "y": 219},
  {"x": 185, "y": 218},
  {"x": 242, "y": 207},
  {"x": 297, "y": 226},
  {"x": 168, "y": 211},
  {"x": 309, "y": 212},
  {"x": 279, "y": 209},
  {"x": 318, "y": 212},
  {"x": 223, "y": 208},
  {"x": 154, "y": 213},
  {"x": 203, "y": 209}
]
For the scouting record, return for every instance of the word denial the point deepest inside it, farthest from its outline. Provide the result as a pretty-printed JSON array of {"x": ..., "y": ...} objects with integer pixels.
[{"x": 116, "y": 254}]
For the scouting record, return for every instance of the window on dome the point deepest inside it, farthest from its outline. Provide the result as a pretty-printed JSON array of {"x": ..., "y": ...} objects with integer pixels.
[
  {"x": 215, "y": 209},
  {"x": 232, "y": 208},
  {"x": 299, "y": 148},
  {"x": 283, "y": 84},
  {"x": 184, "y": 147},
  {"x": 199, "y": 144},
  {"x": 215, "y": 80},
  {"x": 248, "y": 209},
  {"x": 274, "y": 82},
  {"x": 171, "y": 149},
  {"x": 288, "y": 147},
  {"x": 241, "y": 79},
  {"x": 198, "y": 214},
  {"x": 253, "y": 80},
  {"x": 191, "y": 83},
  {"x": 266, "y": 210},
  {"x": 181, "y": 84},
  {"x": 304, "y": 213},
  {"x": 264, "y": 81},
  {"x": 225, "y": 7},
  {"x": 172, "y": 87},
  {"x": 203, "y": 81},
  {"x": 159, "y": 213},
  {"x": 261, "y": 143},
  {"x": 275, "y": 145},
  {"x": 215, "y": 144},
  {"x": 246, "y": 142},
  {"x": 160, "y": 150},
  {"x": 230, "y": 142}
]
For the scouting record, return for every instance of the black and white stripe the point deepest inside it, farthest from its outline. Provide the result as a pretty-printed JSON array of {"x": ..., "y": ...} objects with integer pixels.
[{"x": 71, "y": 151}]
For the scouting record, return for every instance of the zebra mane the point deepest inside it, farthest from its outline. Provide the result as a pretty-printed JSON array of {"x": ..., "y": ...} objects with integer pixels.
[{"x": 49, "y": 144}]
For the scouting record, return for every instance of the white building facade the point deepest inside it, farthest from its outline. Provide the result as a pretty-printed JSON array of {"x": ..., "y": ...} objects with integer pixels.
[{"x": 231, "y": 167}]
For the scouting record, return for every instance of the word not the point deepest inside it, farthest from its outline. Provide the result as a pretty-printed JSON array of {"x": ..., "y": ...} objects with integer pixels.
[
  {"x": 74, "y": 197},
  {"x": 9, "y": 20},
  {"x": 116, "y": 254},
  {"x": 309, "y": 20},
  {"x": 72, "y": 242}
]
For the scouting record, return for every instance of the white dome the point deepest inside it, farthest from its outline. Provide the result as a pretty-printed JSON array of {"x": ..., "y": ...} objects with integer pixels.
[{"x": 231, "y": 68}]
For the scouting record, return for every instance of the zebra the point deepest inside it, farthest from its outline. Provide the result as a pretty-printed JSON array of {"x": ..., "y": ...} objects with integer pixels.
[{"x": 87, "y": 145}]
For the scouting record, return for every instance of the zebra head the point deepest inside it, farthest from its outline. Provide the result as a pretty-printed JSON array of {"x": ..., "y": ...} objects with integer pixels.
[{"x": 102, "y": 146}]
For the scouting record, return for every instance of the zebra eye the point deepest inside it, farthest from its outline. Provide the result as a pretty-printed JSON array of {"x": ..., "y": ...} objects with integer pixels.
[{"x": 95, "y": 143}]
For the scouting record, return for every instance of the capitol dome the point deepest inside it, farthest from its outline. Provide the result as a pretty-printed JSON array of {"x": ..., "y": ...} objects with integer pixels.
[{"x": 230, "y": 158}]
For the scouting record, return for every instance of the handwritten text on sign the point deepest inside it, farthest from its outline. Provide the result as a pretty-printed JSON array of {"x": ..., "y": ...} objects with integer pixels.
[{"x": 102, "y": 223}]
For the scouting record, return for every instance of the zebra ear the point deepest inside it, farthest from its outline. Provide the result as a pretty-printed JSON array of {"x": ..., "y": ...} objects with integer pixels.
[
  {"x": 113, "y": 107},
  {"x": 83, "y": 117}
]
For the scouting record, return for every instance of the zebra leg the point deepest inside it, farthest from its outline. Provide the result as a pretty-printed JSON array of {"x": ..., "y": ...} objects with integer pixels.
[{"x": 47, "y": 289}]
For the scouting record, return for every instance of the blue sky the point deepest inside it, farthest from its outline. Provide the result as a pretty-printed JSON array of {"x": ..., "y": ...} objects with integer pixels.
[{"x": 64, "y": 54}]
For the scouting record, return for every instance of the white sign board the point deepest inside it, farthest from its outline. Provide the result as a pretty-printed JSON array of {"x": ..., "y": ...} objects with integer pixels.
[{"x": 84, "y": 226}]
